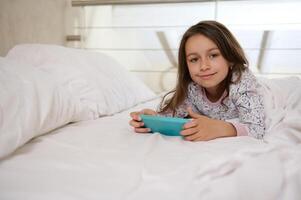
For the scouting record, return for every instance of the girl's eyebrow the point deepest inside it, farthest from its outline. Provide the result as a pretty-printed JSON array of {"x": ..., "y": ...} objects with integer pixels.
[
  {"x": 211, "y": 49},
  {"x": 191, "y": 54},
  {"x": 214, "y": 48}
]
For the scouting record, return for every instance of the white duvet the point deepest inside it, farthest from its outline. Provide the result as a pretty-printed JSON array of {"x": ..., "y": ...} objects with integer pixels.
[{"x": 105, "y": 159}]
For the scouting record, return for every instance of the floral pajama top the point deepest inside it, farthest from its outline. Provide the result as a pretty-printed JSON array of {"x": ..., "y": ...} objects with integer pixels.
[{"x": 245, "y": 109}]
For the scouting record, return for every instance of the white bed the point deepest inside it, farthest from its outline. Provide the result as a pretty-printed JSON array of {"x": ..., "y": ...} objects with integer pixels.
[{"x": 98, "y": 156}]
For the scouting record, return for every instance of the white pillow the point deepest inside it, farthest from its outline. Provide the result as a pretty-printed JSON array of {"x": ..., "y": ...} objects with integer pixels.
[
  {"x": 31, "y": 104},
  {"x": 99, "y": 81}
]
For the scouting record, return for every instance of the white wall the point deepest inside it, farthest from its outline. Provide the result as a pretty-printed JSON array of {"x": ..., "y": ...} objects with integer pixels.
[
  {"x": 33, "y": 21},
  {"x": 131, "y": 34}
]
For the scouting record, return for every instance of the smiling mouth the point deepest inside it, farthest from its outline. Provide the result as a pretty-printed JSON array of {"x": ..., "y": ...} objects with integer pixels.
[{"x": 206, "y": 76}]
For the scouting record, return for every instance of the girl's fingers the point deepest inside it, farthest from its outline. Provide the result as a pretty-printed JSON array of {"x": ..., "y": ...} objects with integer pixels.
[
  {"x": 189, "y": 131},
  {"x": 142, "y": 130},
  {"x": 148, "y": 112},
  {"x": 194, "y": 137},
  {"x": 192, "y": 114},
  {"x": 136, "y": 120},
  {"x": 135, "y": 116},
  {"x": 136, "y": 124},
  {"x": 189, "y": 124}
]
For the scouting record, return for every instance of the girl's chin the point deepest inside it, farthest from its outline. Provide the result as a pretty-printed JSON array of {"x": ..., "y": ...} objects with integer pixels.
[
  {"x": 210, "y": 86},
  {"x": 207, "y": 84}
]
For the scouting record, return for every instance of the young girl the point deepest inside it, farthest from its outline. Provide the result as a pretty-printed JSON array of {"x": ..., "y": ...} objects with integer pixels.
[{"x": 214, "y": 87}]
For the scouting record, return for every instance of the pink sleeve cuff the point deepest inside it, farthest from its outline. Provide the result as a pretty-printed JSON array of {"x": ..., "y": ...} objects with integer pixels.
[{"x": 241, "y": 129}]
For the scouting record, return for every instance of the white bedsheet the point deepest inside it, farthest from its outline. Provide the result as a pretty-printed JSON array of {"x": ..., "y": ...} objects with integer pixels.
[{"x": 105, "y": 159}]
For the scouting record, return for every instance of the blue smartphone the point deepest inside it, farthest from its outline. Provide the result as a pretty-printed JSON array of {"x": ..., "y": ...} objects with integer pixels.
[{"x": 170, "y": 126}]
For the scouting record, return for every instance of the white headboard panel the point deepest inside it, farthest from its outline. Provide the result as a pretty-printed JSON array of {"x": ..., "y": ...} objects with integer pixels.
[{"x": 145, "y": 37}]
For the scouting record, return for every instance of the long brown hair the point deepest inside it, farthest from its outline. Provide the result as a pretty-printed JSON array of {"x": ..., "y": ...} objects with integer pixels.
[{"x": 229, "y": 48}]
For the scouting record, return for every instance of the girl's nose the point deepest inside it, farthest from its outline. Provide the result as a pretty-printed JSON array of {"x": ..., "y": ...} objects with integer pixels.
[{"x": 204, "y": 65}]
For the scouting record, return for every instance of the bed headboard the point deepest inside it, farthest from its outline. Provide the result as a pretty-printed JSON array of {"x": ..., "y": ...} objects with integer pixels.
[{"x": 144, "y": 35}]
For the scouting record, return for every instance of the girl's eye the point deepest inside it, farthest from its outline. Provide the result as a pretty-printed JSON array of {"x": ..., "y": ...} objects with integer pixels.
[
  {"x": 193, "y": 60},
  {"x": 213, "y": 55}
]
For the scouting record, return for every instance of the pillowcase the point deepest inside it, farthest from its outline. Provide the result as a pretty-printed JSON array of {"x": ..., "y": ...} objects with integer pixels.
[
  {"x": 31, "y": 104},
  {"x": 102, "y": 84}
]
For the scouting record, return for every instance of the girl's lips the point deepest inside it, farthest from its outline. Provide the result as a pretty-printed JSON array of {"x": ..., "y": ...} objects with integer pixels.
[{"x": 206, "y": 76}]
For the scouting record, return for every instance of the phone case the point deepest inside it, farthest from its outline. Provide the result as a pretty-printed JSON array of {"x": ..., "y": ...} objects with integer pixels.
[{"x": 170, "y": 126}]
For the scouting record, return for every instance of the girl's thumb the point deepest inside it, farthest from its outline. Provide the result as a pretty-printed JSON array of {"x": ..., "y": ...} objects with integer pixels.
[{"x": 192, "y": 114}]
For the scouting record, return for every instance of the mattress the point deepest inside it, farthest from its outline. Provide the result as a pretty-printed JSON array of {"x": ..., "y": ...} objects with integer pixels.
[{"x": 106, "y": 159}]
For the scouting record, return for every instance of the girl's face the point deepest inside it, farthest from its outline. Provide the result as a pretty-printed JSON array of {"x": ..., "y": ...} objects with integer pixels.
[{"x": 207, "y": 67}]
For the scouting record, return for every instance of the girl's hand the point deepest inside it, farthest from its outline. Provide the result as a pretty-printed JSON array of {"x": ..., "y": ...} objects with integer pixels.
[
  {"x": 136, "y": 120},
  {"x": 203, "y": 128}
]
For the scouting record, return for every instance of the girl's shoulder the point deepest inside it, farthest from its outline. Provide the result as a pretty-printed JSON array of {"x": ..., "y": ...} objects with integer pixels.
[
  {"x": 246, "y": 75},
  {"x": 246, "y": 82}
]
